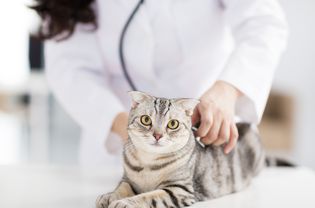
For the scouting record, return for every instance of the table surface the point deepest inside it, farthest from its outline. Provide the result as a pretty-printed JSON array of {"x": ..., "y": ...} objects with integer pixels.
[{"x": 74, "y": 187}]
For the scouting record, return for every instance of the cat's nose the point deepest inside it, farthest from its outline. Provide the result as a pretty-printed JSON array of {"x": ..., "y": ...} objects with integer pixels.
[{"x": 157, "y": 136}]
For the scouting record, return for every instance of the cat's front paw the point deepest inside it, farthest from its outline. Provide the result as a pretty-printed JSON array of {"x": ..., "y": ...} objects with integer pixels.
[
  {"x": 104, "y": 200},
  {"x": 188, "y": 201},
  {"x": 122, "y": 203}
]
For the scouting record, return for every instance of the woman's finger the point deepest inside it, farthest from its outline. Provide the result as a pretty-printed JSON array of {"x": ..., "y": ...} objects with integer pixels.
[
  {"x": 195, "y": 117},
  {"x": 212, "y": 134},
  {"x": 233, "y": 139},
  {"x": 206, "y": 123},
  {"x": 224, "y": 134}
]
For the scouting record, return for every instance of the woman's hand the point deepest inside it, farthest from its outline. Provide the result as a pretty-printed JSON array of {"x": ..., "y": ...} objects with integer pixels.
[
  {"x": 215, "y": 112},
  {"x": 120, "y": 124}
]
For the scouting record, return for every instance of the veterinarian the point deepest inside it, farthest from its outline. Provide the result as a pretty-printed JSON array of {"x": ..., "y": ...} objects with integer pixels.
[{"x": 222, "y": 51}]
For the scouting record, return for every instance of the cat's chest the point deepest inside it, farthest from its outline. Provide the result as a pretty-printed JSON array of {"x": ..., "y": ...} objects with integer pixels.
[
  {"x": 150, "y": 173},
  {"x": 146, "y": 179},
  {"x": 147, "y": 171}
]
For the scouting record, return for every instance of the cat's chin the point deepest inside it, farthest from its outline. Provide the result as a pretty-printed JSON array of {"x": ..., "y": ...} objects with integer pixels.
[
  {"x": 156, "y": 145},
  {"x": 156, "y": 148},
  {"x": 153, "y": 147}
]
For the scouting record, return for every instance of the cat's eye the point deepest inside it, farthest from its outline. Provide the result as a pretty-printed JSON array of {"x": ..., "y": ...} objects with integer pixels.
[
  {"x": 146, "y": 120},
  {"x": 173, "y": 124}
]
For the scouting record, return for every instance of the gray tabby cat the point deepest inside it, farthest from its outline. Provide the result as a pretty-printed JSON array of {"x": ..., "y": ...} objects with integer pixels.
[{"x": 164, "y": 166}]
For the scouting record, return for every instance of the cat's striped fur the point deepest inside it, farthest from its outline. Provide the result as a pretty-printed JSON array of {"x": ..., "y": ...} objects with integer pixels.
[{"x": 182, "y": 177}]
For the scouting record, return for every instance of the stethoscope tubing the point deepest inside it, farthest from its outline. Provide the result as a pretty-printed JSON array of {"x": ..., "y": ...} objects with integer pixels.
[{"x": 121, "y": 45}]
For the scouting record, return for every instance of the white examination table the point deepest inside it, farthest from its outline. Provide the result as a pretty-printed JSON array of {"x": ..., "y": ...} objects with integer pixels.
[{"x": 72, "y": 187}]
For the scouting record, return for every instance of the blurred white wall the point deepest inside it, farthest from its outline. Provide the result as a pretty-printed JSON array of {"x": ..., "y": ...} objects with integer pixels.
[
  {"x": 10, "y": 148},
  {"x": 15, "y": 21},
  {"x": 296, "y": 75}
]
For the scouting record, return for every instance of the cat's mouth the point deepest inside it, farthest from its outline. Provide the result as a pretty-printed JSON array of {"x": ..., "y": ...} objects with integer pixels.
[{"x": 156, "y": 144}]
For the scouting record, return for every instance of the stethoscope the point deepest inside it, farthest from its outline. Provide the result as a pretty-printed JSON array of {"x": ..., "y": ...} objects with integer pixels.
[{"x": 121, "y": 45}]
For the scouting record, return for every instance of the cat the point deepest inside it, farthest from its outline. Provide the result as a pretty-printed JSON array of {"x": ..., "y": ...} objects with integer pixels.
[{"x": 164, "y": 165}]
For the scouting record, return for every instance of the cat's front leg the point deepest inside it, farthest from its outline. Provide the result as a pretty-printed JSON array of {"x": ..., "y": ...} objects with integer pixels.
[
  {"x": 162, "y": 198},
  {"x": 122, "y": 191}
]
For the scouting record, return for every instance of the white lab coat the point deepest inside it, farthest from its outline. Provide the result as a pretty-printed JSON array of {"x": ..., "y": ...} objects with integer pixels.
[{"x": 238, "y": 41}]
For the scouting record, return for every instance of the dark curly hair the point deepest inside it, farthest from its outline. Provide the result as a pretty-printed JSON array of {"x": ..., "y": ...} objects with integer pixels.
[{"x": 59, "y": 17}]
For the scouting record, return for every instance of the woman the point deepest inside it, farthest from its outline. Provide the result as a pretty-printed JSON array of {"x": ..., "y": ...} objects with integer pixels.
[{"x": 221, "y": 51}]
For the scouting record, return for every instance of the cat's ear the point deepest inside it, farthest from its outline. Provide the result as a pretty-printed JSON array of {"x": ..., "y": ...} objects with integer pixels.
[
  {"x": 139, "y": 97},
  {"x": 188, "y": 104}
]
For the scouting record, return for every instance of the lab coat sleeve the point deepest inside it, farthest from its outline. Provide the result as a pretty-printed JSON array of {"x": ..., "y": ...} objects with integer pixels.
[
  {"x": 259, "y": 30},
  {"x": 76, "y": 75}
]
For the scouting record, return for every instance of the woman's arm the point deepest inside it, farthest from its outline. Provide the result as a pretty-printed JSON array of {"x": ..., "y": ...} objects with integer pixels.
[
  {"x": 260, "y": 32},
  {"x": 76, "y": 75}
]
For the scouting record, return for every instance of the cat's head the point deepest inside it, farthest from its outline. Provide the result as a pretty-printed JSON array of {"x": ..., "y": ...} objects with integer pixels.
[{"x": 160, "y": 125}]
